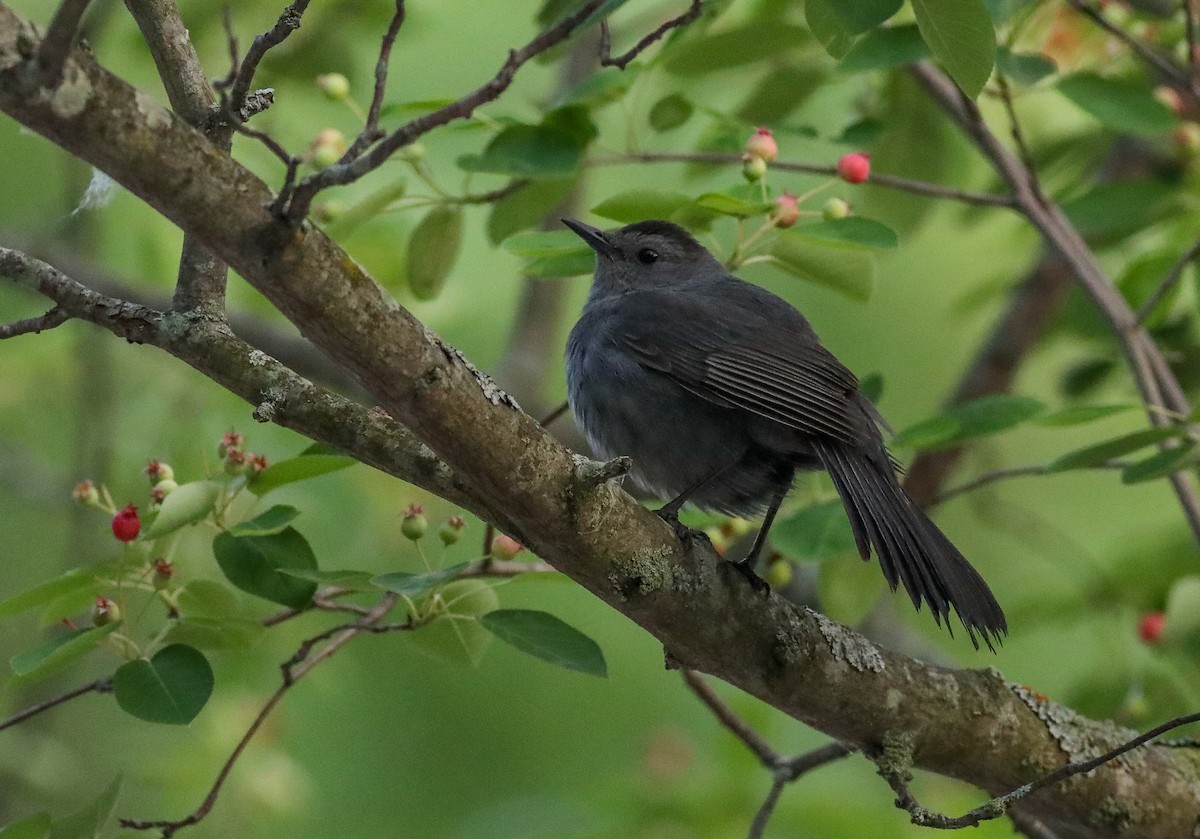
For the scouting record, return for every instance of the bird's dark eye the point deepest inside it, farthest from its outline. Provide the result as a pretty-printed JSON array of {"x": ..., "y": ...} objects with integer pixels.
[{"x": 647, "y": 256}]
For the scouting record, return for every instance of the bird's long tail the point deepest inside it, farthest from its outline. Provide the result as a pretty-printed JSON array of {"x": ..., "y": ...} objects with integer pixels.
[{"x": 910, "y": 547}]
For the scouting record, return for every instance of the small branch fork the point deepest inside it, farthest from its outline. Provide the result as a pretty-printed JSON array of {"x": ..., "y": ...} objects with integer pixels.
[
  {"x": 998, "y": 806},
  {"x": 784, "y": 770},
  {"x": 60, "y": 37},
  {"x": 607, "y": 59},
  {"x": 41, "y": 323}
]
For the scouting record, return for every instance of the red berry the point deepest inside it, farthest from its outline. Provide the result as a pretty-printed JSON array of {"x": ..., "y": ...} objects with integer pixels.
[
  {"x": 126, "y": 525},
  {"x": 762, "y": 144},
  {"x": 787, "y": 210},
  {"x": 1151, "y": 626},
  {"x": 855, "y": 167}
]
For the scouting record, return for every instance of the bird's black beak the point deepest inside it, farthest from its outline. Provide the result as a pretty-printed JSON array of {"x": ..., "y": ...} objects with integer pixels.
[{"x": 594, "y": 236}]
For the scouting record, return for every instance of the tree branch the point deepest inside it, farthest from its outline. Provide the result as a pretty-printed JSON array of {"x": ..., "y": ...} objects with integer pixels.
[
  {"x": 60, "y": 37},
  {"x": 967, "y": 724},
  {"x": 99, "y": 686},
  {"x": 1170, "y": 71},
  {"x": 54, "y": 317},
  {"x": 371, "y": 131},
  {"x": 607, "y": 59}
]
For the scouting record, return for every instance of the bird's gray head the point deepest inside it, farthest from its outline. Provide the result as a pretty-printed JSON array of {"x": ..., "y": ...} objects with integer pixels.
[{"x": 645, "y": 254}]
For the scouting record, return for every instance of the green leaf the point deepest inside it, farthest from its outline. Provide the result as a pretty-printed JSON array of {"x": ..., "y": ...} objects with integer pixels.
[
  {"x": 773, "y": 99},
  {"x": 208, "y": 598},
  {"x": 735, "y": 47},
  {"x": 45, "y": 593},
  {"x": 886, "y": 48},
  {"x": 455, "y": 634},
  {"x": 1125, "y": 106},
  {"x": 1101, "y": 453},
  {"x": 929, "y": 433},
  {"x": 560, "y": 265},
  {"x": 854, "y": 230},
  {"x": 1081, "y": 414},
  {"x": 827, "y": 27},
  {"x": 71, "y": 603},
  {"x": 978, "y": 418},
  {"x": 264, "y": 524},
  {"x": 366, "y": 209},
  {"x": 1183, "y": 607},
  {"x": 637, "y": 204},
  {"x": 529, "y": 151},
  {"x": 187, "y": 504},
  {"x": 1160, "y": 464},
  {"x": 30, "y": 827},
  {"x": 672, "y": 111},
  {"x": 544, "y": 243},
  {"x": 57, "y": 653},
  {"x": 728, "y": 205},
  {"x": 357, "y": 580},
  {"x": 171, "y": 688},
  {"x": 253, "y": 563},
  {"x": 816, "y": 532},
  {"x": 544, "y": 636},
  {"x": 1117, "y": 208},
  {"x": 432, "y": 251},
  {"x": 526, "y": 207},
  {"x": 89, "y": 823},
  {"x": 414, "y": 585},
  {"x": 604, "y": 87},
  {"x": 1027, "y": 68},
  {"x": 297, "y": 469},
  {"x": 845, "y": 270},
  {"x": 858, "y": 16},
  {"x": 215, "y": 633},
  {"x": 849, "y": 588},
  {"x": 962, "y": 38}
]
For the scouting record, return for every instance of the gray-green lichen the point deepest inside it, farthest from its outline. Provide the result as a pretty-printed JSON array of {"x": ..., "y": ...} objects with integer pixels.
[
  {"x": 491, "y": 391},
  {"x": 848, "y": 646},
  {"x": 1079, "y": 737},
  {"x": 645, "y": 572},
  {"x": 156, "y": 116}
]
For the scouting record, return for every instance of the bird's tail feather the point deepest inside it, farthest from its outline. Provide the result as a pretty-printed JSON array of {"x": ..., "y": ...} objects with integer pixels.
[{"x": 911, "y": 549}]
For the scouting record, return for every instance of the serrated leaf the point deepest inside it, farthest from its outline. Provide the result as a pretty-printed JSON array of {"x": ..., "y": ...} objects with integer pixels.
[
  {"x": 813, "y": 533},
  {"x": 266, "y": 523},
  {"x": 90, "y": 822},
  {"x": 728, "y": 205},
  {"x": 1100, "y": 453},
  {"x": 31, "y": 827},
  {"x": 1124, "y": 106},
  {"x": 637, "y": 204},
  {"x": 855, "y": 230},
  {"x": 432, "y": 251},
  {"x": 57, "y": 653},
  {"x": 1183, "y": 607},
  {"x": 1160, "y": 464},
  {"x": 672, "y": 111},
  {"x": 253, "y": 563},
  {"x": 843, "y": 269},
  {"x": 170, "y": 688},
  {"x": 1026, "y": 68},
  {"x": 1081, "y": 414},
  {"x": 860, "y": 15},
  {"x": 883, "y": 49},
  {"x": 827, "y": 28},
  {"x": 528, "y": 151},
  {"x": 544, "y": 636},
  {"x": 295, "y": 469},
  {"x": 45, "y": 593},
  {"x": 414, "y": 585},
  {"x": 962, "y": 38}
]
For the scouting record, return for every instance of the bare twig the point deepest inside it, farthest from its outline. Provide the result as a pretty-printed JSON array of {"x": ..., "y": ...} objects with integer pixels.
[
  {"x": 99, "y": 686},
  {"x": 371, "y": 131},
  {"x": 1168, "y": 282},
  {"x": 1168, "y": 69},
  {"x": 1189, "y": 28},
  {"x": 1003, "y": 475},
  {"x": 293, "y": 670},
  {"x": 999, "y": 805},
  {"x": 878, "y": 179},
  {"x": 607, "y": 59},
  {"x": 754, "y": 741},
  {"x": 238, "y": 84},
  {"x": 300, "y": 200},
  {"x": 60, "y": 37},
  {"x": 54, "y": 317}
]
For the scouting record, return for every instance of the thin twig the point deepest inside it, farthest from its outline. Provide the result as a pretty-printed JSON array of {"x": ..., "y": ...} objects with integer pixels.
[
  {"x": 1168, "y": 282},
  {"x": 41, "y": 323},
  {"x": 60, "y": 37},
  {"x": 1005, "y": 474},
  {"x": 288, "y": 22},
  {"x": 1167, "y": 68},
  {"x": 1189, "y": 28},
  {"x": 621, "y": 61},
  {"x": 371, "y": 131},
  {"x": 999, "y": 805},
  {"x": 878, "y": 179},
  {"x": 99, "y": 686},
  {"x": 754, "y": 741},
  {"x": 1014, "y": 124},
  {"x": 294, "y": 669}
]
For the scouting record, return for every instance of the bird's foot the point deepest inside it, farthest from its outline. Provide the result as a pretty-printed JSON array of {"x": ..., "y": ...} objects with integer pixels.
[
  {"x": 745, "y": 567},
  {"x": 686, "y": 535}
]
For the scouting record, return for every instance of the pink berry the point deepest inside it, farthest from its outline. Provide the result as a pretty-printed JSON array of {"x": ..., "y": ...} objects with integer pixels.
[
  {"x": 126, "y": 525},
  {"x": 855, "y": 167},
  {"x": 762, "y": 144},
  {"x": 505, "y": 547},
  {"x": 787, "y": 210},
  {"x": 1151, "y": 626}
]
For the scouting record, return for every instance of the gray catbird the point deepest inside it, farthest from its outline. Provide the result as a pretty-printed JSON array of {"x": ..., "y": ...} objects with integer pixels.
[{"x": 720, "y": 391}]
